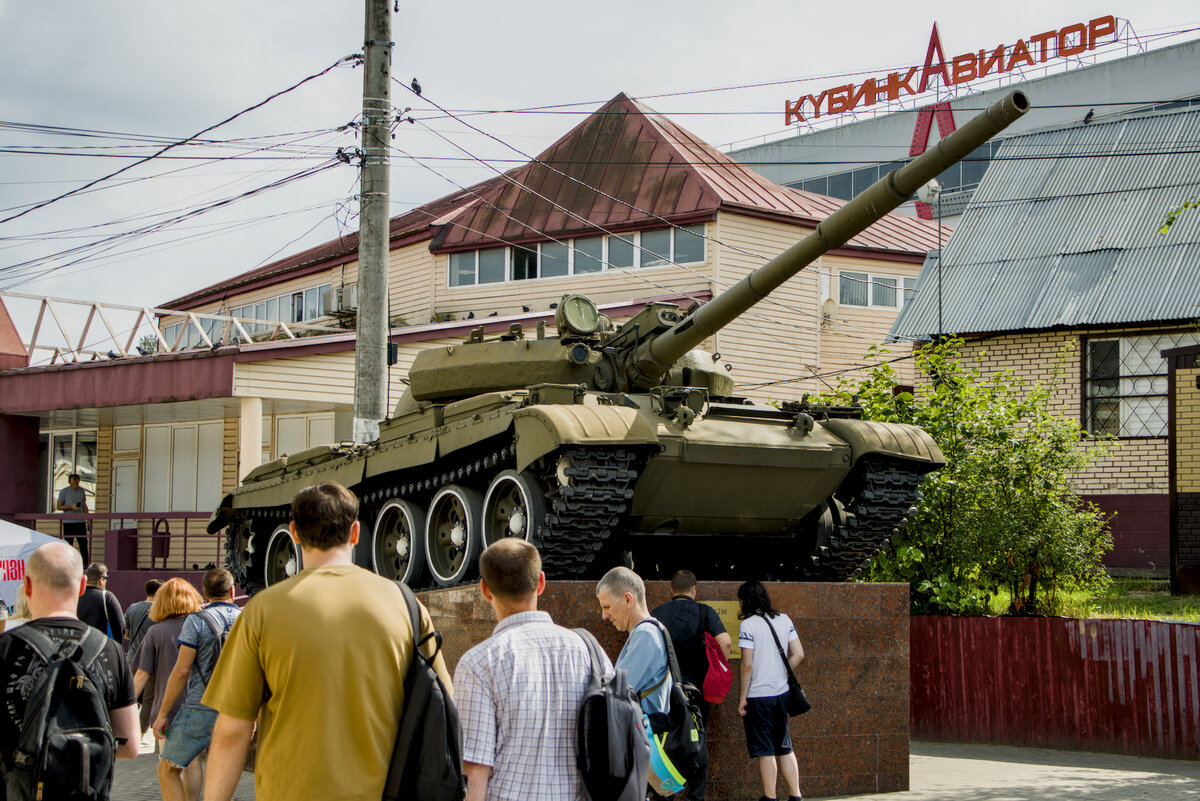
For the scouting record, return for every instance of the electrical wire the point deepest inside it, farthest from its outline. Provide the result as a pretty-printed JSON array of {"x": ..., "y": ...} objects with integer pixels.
[
  {"x": 106, "y": 244},
  {"x": 163, "y": 150}
]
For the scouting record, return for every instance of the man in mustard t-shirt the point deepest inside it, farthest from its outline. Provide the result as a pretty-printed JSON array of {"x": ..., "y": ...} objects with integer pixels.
[{"x": 328, "y": 651}]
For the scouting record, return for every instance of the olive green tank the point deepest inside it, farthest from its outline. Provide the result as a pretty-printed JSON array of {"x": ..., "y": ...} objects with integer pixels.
[{"x": 605, "y": 446}]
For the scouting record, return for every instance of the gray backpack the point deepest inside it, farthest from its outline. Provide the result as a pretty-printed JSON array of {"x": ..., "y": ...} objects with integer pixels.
[{"x": 612, "y": 748}]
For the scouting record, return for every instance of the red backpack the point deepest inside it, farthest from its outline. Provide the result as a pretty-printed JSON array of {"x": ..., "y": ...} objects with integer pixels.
[{"x": 719, "y": 679}]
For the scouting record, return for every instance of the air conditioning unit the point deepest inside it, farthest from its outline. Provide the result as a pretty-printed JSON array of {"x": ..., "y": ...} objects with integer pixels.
[{"x": 341, "y": 300}]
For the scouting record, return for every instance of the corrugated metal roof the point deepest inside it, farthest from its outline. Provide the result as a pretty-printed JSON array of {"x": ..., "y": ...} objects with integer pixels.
[{"x": 1063, "y": 232}]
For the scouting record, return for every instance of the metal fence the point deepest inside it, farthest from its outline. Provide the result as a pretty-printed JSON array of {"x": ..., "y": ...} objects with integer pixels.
[{"x": 1121, "y": 686}]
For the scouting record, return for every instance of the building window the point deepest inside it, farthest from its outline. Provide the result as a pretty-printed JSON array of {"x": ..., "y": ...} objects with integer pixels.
[
  {"x": 583, "y": 256},
  {"x": 61, "y": 453},
  {"x": 853, "y": 289},
  {"x": 1125, "y": 384},
  {"x": 877, "y": 291}
]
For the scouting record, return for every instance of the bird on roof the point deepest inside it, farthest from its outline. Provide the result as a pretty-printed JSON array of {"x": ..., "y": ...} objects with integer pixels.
[
  {"x": 470, "y": 315},
  {"x": 524, "y": 308},
  {"x": 493, "y": 314},
  {"x": 1086, "y": 117},
  {"x": 416, "y": 87}
]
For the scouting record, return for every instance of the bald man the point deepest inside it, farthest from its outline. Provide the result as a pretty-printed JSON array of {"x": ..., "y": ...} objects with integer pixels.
[{"x": 53, "y": 583}]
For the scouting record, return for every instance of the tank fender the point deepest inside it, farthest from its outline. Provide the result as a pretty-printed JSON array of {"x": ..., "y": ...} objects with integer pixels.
[
  {"x": 890, "y": 439},
  {"x": 279, "y": 491},
  {"x": 541, "y": 429},
  {"x": 222, "y": 515}
]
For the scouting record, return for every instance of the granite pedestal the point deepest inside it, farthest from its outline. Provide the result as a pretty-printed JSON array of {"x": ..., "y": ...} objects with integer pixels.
[{"x": 856, "y": 673}]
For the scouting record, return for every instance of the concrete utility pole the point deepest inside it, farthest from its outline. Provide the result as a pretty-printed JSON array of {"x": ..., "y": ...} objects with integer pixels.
[{"x": 370, "y": 352}]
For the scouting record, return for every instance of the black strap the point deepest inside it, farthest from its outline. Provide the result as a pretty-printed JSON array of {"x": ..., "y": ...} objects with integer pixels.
[
  {"x": 672, "y": 662},
  {"x": 782, "y": 655},
  {"x": 133, "y": 638},
  {"x": 594, "y": 653},
  {"x": 90, "y": 645},
  {"x": 414, "y": 616}
]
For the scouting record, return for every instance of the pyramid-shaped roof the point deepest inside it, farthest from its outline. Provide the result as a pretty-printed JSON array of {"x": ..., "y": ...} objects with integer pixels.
[
  {"x": 624, "y": 167},
  {"x": 627, "y": 166}
]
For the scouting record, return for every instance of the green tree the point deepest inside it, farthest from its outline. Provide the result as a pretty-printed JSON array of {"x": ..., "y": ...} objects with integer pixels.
[{"x": 1002, "y": 512}]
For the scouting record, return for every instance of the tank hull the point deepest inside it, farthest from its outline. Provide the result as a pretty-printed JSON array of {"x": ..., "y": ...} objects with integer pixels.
[{"x": 593, "y": 479}]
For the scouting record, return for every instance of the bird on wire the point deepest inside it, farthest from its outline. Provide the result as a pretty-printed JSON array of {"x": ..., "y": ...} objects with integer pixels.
[{"x": 416, "y": 87}]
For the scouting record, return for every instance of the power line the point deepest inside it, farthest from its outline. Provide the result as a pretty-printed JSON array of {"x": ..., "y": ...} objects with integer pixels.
[
  {"x": 163, "y": 150},
  {"x": 106, "y": 244}
]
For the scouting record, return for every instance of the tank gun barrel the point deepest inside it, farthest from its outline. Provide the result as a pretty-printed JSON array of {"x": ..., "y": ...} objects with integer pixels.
[{"x": 655, "y": 355}]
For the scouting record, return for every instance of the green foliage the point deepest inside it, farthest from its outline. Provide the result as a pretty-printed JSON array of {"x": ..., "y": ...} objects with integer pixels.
[
  {"x": 1174, "y": 214},
  {"x": 1001, "y": 515}
]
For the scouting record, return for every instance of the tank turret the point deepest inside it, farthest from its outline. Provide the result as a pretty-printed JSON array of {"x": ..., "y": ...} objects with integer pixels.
[{"x": 604, "y": 445}]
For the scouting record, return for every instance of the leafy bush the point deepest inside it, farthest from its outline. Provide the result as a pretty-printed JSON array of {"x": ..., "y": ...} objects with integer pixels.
[{"x": 1002, "y": 513}]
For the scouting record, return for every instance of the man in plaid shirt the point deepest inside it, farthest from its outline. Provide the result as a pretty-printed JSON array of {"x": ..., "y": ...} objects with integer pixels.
[{"x": 518, "y": 692}]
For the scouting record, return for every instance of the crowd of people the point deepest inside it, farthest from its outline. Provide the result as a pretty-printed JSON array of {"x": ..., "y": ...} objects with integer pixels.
[{"x": 316, "y": 666}]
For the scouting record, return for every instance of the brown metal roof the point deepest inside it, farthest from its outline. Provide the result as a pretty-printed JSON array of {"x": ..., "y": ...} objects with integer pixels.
[{"x": 624, "y": 167}]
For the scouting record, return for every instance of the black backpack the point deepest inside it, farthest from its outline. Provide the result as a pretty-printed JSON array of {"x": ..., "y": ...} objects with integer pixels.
[
  {"x": 611, "y": 745},
  {"x": 65, "y": 750},
  {"x": 427, "y": 757},
  {"x": 681, "y": 727}
]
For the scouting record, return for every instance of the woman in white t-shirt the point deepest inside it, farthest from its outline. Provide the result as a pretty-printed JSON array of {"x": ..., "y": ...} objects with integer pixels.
[{"x": 764, "y": 691}]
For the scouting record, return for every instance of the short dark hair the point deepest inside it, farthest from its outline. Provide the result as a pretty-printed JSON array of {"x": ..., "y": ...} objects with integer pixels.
[
  {"x": 96, "y": 571},
  {"x": 754, "y": 600},
  {"x": 73, "y": 476},
  {"x": 323, "y": 514},
  {"x": 510, "y": 567},
  {"x": 218, "y": 583},
  {"x": 152, "y": 587},
  {"x": 682, "y": 581}
]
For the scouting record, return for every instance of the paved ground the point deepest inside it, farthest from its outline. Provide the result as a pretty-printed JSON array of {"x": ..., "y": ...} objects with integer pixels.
[
  {"x": 939, "y": 772},
  {"x": 137, "y": 779}
]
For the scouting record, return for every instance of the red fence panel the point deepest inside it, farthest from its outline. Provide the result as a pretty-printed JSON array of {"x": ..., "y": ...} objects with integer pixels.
[{"x": 1124, "y": 686}]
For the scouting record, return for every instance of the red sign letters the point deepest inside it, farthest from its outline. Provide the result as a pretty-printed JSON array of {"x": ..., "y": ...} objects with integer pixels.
[{"x": 1068, "y": 41}]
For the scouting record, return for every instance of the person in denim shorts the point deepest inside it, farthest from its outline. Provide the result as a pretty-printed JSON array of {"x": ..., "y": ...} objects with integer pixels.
[{"x": 188, "y": 735}]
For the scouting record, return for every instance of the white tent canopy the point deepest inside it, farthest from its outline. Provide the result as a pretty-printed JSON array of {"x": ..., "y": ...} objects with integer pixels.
[{"x": 16, "y": 543}]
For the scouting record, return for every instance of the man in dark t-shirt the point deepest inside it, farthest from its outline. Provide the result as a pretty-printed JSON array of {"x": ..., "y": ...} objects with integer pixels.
[
  {"x": 98, "y": 607},
  {"x": 53, "y": 583},
  {"x": 688, "y": 621}
]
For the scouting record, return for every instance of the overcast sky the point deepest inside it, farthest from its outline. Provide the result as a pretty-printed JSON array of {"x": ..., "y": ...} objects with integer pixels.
[{"x": 166, "y": 70}]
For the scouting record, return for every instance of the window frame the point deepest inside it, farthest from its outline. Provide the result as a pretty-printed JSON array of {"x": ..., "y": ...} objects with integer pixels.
[
  {"x": 699, "y": 230},
  {"x": 1086, "y": 396},
  {"x": 898, "y": 289}
]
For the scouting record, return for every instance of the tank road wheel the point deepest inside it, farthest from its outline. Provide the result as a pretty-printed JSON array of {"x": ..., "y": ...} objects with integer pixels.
[
  {"x": 398, "y": 542},
  {"x": 452, "y": 534},
  {"x": 283, "y": 557},
  {"x": 515, "y": 506}
]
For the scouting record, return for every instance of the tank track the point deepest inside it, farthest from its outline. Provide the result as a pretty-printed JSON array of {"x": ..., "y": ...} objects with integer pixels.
[
  {"x": 236, "y": 551},
  {"x": 881, "y": 499},
  {"x": 583, "y": 514}
]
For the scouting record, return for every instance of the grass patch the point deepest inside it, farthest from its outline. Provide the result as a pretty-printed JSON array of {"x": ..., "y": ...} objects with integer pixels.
[{"x": 1137, "y": 598}]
